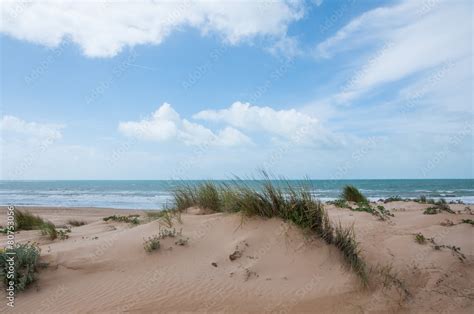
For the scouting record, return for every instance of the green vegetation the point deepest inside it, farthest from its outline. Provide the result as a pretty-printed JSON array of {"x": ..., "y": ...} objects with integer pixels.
[
  {"x": 290, "y": 203},
  {"x": 49, "y": 229},
  {"x": 25, "y": 267},
  {"x": 431, "y": 211},
  {"x": 351, "y": 194},
  {"x": 346, "y": 243},
  {"x": 378, "y": 211},
  {"x": 420, "y": 238},
  {"x": 151, "y": 244},
  {"x": 133, "y": 219},
  {"x": 206, "y": 196},
  {"x": 396, "y": 198},
  {"x": 339, "y": 203},
  {"x": 468, "y": 221},
  {"x": 27, "y": 221},
  {"x": 440, "y": 206},
  {"x": 421, "y": 200},
  {"x": 76, "y": 223}
]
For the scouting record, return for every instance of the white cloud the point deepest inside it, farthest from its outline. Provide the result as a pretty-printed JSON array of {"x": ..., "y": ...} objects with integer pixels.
[
  {"x": 414, "y": 38},
  {"x": 165, "y": 124},
  {"x": 285, "y": 123},
  {"x": 32, "y": 130},
  {"x": 103, "y": 29}
]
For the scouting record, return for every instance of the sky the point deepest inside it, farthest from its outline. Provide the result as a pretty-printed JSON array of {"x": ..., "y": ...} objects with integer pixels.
[{"x": 346, "y": 89}]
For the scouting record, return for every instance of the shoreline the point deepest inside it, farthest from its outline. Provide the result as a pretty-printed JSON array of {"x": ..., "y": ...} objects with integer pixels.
[{"x": 324, "y": 200}]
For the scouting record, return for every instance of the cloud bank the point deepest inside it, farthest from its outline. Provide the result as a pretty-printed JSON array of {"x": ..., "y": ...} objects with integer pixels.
[
  {"x": 103, "y": 29},
  {"x": 32, "y": 130},
  {"x": 165, "y": 124}
]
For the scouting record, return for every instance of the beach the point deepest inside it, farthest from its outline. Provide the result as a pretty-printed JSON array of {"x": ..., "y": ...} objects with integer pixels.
[{"x": 231, "y": 263}]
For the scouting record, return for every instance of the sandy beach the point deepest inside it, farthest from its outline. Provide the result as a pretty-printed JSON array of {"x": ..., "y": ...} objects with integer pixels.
[{"x": 275, "y": 267}]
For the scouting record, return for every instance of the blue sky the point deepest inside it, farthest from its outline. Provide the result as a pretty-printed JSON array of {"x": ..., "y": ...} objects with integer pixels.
[{"x": 160, "y": 90}]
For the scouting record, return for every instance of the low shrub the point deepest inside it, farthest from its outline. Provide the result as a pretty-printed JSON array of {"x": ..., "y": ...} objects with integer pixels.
[
  {"x": 431, "y": 211},
  {"x": 378, "y": 211},
  {"x": 420, "y": 238},
  {"x": 133, "y": 219},
  {"x": 393, "y": 199},
  {"x": 25, "y": 264},
  {"x": 151, "y": 244},
  {"x": 76, "y": 223},
  {"x": 340, "y": 203},
  {"x": 468, "y": 221}
]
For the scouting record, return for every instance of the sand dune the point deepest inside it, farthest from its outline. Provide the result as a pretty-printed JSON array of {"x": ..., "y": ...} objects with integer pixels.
[{"x": 103, "y": 267}]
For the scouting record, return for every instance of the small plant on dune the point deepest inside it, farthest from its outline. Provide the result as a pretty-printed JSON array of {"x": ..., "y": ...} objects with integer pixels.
[
  {"x": 63, "y": 234},
  {"x": 396, "y": 198},
  {"x": 420, "y": 238},
  {"x": 25, "y": 264},
  {"x": 443, "y": 206},
  {"x": 151, "y": 244},
  {"x": 390, "y": 278},
  {"x": 378, "y": 211},
  {"x": 468, "y": 221},
  {"x": 76, "y": 223},
  {"x": 168, "y": 233},
  {"x": 384, "y": 212},
  {"x": 363, "y": 207},
  {"x": 49, "y": 229},
  {"x": 440, "y": 206},
  {"x": 133, "y": 219},
  {"x": 351, "y": 194},
  {"x": 340, "y": 203},
  {"x": 431, "y": 211}
]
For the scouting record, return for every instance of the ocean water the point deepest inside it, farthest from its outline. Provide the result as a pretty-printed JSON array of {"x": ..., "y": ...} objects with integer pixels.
[{"x": 135, "y": 194}]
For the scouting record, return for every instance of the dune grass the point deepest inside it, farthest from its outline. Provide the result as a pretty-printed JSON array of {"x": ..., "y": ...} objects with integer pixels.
[
  {"x": 206, "y": 195},
  {"x": 27, "y": 221},
  {"x": 351, "y": 194},
  {"x": 290, "y": 203}
]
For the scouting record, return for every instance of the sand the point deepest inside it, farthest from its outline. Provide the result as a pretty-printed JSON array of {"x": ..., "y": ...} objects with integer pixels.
[{"x": 103, "y": 267}]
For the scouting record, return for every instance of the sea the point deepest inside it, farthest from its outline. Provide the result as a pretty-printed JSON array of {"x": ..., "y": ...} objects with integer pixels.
[{"x": 156, "y": 194}]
